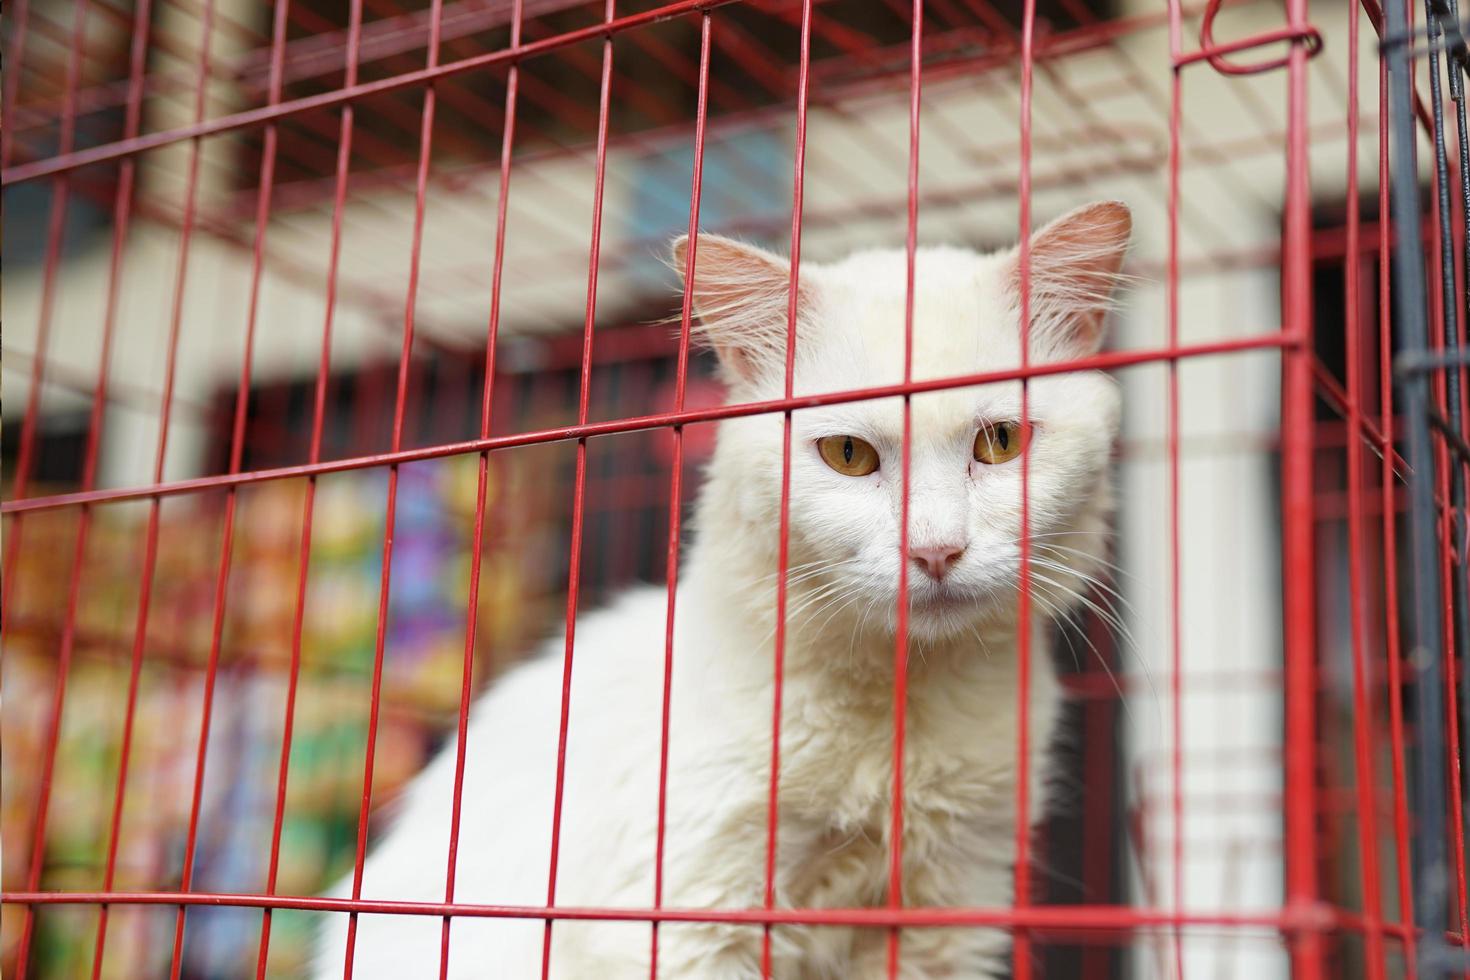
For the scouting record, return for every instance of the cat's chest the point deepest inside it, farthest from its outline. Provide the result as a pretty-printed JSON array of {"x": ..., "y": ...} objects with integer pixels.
[{"x": 959, "y": 754}]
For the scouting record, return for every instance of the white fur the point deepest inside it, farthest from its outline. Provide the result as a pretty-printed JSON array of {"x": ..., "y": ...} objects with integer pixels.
[{"x": 837, "y": 728}]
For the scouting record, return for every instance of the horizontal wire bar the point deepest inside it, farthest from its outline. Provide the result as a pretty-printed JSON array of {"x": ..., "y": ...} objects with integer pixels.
[
  {"x": 263, "y": 114},
  {"x": 1087, "y": 918},
  {"x": 1116, "y": 359}
]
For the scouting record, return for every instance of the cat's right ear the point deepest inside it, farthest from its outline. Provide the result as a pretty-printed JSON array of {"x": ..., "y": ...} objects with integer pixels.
[
  {"x": 1076, "y": 263},
  {"x": 741, "y": 297}
]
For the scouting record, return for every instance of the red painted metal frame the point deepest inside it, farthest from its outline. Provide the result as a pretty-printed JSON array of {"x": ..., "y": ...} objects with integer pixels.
[
  {"x": 1307, "y": 919},
  {"x": 686, "y": 313},
  {"x": 579, "y": 483},
  {"x": 1357, "y": 525},
  {"x": 120, "y": 218},
  {"x": 481, "y": 480},
  {"x": 1108, "y": 361},
  {"x": 410, "y": 310},
  {"x": 344, "y": 156}
]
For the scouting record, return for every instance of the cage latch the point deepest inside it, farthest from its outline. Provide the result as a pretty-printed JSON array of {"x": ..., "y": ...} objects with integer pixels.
[{"x": 1215, "y": 53}]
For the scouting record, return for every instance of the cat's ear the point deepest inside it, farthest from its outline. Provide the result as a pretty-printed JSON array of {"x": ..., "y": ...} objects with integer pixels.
[
  {"x": 1076, "y": 263},
  {"x": 740, "y": 295}
]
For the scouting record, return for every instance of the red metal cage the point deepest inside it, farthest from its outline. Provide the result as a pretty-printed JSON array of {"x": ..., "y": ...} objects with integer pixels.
[{"x": 325, "y": 401}]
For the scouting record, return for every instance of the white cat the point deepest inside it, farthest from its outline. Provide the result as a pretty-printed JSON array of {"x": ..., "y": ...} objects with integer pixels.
[{"x": 837, "y": 719}]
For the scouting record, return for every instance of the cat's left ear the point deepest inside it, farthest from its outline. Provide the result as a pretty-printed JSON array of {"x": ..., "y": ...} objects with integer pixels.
[
  {"x": 1076, "y": 263},
  {"x": 741, "y": 295}
]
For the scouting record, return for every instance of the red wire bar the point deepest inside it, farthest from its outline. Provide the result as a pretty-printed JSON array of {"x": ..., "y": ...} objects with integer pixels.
[
  {"x": 1302, "y": 887},
  {"x": 681, "y": 380},
  {"x": 1176, "y": 646},
  {"x": 1351, "y": 805},
  {"x": 1081, "y": 918},
  {"x": 237, "y": 450},
  {"x": 121, "y": 217},
  {"x": 783, "y": 562},
  {"x": 318, "y": 419},
  {"x": 1215, "y": 53},
  {"x": 579, "y": 481},
  {"x": 1021, "y": 950},
  {"x": 326, "y": 100},
  {"x": 1105, "y": 361},
  {"x": 507, "y": 143},
  {"x": 410, "y": 311},
  {"x": 1357, "y": 528},
  {"x": 55, "y": 229},
  {"x": 901, "y": 631}
]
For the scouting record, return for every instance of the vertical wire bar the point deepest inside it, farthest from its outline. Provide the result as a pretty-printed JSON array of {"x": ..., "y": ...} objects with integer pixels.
[
  {"x": 1021, "y": 944},
  {"x": 487, "y": 395},
  {"x": 121, "y": 212},
  {"x": 901, "y": 631},
  {"x": 421, "y": 190},
  {"x": 1099, "y": 763},
  {"x": 1171, "y": 437},
  {"x": 1367, "y": 783},
  {"x": 1413, "y": 325},
  {"x": 308, "y": 507},
  {"x": 1022, "y": 951},
  {"x": 1298, "y": 517},
  {"x": 1390, "y": 539},
  {"x": 68, "y": 637},
  {"x": 1460, "y": 412},
  {"x": 579, "y": 485},
  {"x": 14, "y": 61},
  {"x": 681, "y": 375},
  {"x": 1456, "y": 615},
  {"x": 1443, "y": 316},
  {"x": 1449, "y": 482},
  {"x": 1442, "y": 310},
  {"x": 783, "y": 553},
  {"x": 55, "y": 234},
  {"x": 237, "y": 449},
  {"x": 121, "y": 217}
]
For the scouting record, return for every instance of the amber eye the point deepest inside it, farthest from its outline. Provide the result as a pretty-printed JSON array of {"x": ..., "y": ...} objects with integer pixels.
[
  {"x": 1001, "y": 442},
  {"x": 848, "y": 455}
]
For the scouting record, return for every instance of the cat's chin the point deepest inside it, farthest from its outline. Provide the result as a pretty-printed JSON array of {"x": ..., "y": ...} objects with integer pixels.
[{"x": 939, "y": 613}]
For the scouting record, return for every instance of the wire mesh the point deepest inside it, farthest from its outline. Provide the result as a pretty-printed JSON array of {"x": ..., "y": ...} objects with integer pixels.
[{"x": 338, "y": 376}]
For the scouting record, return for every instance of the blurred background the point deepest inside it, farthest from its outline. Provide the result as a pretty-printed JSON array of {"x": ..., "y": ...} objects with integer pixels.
[{"x": 132, "y": 287}]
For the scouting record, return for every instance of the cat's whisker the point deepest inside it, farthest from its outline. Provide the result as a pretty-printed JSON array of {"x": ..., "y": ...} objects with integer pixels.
[
  {"x": 1059, "y": 551},
  {"x": 838, "y": 604},
  {"x": 802, "y": 571},
  {"x": 1123, "y": 700},
  {"x": 1126, "y": 646},
  {"x": 1102, "y": 661},
  {"x": 1104, "y": 591},
  {"x": 1113, "y": 615},
  {"x": 1087, "y": 576},
  {"x": 1108, "y": 614},
  {"x": 805, "y": 602},
  {"x": 1071, "y": 648}
]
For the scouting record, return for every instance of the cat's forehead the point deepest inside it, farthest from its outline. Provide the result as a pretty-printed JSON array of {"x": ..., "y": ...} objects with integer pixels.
[
  {"x": 938, "y": 417},
  {"x": 964, "y": 316}
]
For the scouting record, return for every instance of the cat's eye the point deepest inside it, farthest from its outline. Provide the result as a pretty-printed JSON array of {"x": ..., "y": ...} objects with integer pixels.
[
  {"x": 1001, "y": 442},
  {"x": 848, "y": 455}
]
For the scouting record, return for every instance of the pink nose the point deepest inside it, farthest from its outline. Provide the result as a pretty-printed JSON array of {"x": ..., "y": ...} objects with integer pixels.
[{"x": 937, "y": 560}]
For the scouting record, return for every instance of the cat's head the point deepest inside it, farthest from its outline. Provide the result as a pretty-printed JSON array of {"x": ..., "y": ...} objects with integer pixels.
[{"x": 967, "y": 444}]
